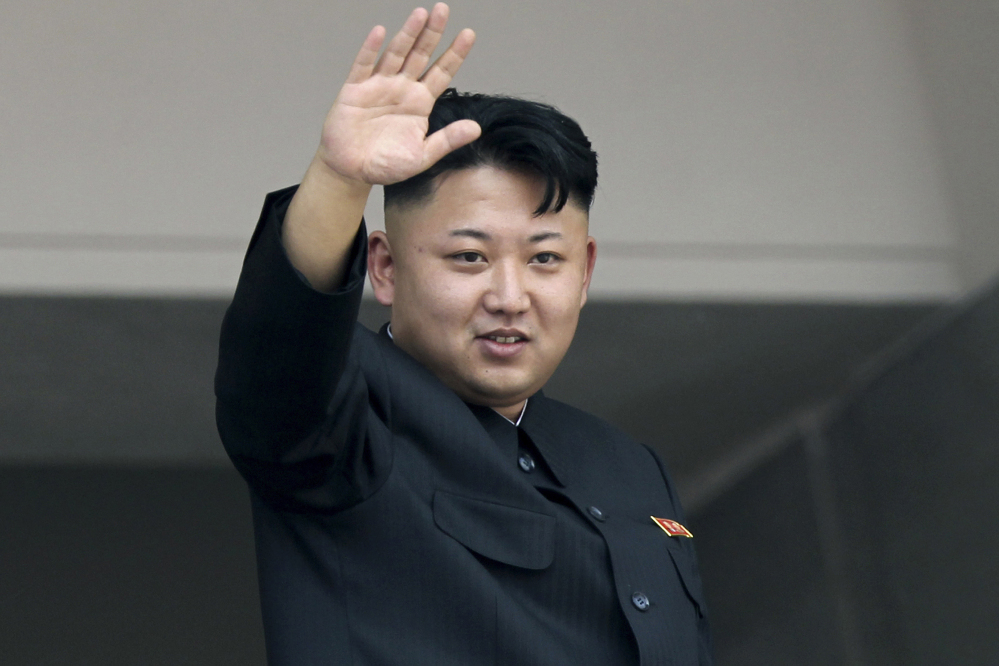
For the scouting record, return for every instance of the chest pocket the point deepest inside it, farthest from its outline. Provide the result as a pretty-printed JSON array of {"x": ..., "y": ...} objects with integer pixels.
[{"x": 511, "y": 535}]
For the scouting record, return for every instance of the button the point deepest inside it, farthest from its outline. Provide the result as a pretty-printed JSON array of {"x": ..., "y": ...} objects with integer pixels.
[
  {"x": 640, "y": 601},
  {"x": 597, "y": 514},
  {"x": 526, "y": 462}
]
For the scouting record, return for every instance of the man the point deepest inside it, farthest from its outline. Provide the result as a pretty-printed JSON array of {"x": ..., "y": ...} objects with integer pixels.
[{"x": 416, "y": 498}]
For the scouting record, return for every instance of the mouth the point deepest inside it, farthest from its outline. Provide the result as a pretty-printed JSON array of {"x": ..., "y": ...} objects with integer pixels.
[
  {"x": 503, "y": 343},
  {"x": 505, "y": 336},
  {"x": 506, "y": 340}
]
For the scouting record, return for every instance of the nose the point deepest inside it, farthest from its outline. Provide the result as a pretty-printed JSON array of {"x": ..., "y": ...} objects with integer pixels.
[{"x": 506, "y": 294}]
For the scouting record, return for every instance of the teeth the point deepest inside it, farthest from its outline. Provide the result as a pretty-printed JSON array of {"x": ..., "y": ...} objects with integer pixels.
[{"x": 503, "y": 340}]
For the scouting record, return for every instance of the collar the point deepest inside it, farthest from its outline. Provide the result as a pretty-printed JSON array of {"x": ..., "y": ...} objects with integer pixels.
[
  {"x": 549, "y": 431},
  {"x": 521, "y": 416},
  {"x": 506, "y": 435},
  {"x": 549, "y": 438},
  {"x": 499, "y": 428}
]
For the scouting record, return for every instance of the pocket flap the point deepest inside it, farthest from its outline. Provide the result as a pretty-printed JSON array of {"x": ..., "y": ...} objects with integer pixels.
[
  {"x": 507, "y": 534},
  {"x": 686, "y": 567}
]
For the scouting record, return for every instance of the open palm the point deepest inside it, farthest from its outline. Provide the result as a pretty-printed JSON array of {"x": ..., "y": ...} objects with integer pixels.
[{"x": 376, "y": 131}]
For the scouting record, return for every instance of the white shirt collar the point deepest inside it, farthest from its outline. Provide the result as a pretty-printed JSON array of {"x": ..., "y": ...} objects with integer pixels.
[{"x": 519, "y": 418}]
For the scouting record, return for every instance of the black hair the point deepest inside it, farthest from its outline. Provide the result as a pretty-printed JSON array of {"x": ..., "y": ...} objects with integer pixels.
[{"x": 517, "y": 135}]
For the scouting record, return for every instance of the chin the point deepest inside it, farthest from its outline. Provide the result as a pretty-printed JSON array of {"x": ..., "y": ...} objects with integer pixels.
[{"x": 497, "y": 394}]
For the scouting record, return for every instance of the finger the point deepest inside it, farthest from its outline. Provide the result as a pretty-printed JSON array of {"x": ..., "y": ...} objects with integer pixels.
[
  {"x": 425, "y": 44},
  {"x": 449, "y": 138},
  {"x": 364, "y": 63},
  {"x": 397, "y": 50},
  {"x": 439, "y": 76}
]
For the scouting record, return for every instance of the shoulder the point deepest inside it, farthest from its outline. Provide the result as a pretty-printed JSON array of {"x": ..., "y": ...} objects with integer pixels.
[
  {"x": 595, "y": 440},
  {"x": 582, "y": 426},
  {"x": 603, "y": 457},
  {"x": 380, "y": 359},
  {"x": 401, "y": 390}
]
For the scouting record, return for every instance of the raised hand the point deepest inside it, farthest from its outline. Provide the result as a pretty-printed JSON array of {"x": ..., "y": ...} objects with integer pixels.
[
  {"x": 376, "y": 131},
  {"x": 375, "y": 134}
]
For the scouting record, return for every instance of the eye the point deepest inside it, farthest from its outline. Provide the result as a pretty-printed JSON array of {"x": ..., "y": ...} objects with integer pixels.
[
  {"x": 545, "y": 258},
  {"x": 469, "y": 257}
]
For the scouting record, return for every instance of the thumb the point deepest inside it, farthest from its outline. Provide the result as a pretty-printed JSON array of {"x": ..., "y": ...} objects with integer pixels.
[{"x": 449, "y": 138}]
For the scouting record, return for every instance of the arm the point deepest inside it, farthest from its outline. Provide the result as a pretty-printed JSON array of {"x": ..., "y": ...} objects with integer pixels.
[{"x": 283, "y": 352}]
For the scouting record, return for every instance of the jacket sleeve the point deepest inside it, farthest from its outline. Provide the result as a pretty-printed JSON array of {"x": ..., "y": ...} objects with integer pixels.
[{"x": 284, "y": 352}]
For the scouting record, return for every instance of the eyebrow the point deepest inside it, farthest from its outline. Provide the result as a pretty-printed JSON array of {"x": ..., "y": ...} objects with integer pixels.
[
  {"x": 545, "y": 235},
  {"x": 483, "y": 236},
  {"x": 472, "y": 233}
]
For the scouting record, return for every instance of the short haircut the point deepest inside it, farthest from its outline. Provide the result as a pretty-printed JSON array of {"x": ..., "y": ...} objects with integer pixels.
[{"x": 517, "y": 135}]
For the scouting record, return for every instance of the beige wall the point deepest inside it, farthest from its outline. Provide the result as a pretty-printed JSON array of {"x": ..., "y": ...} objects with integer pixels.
[{"x": 778, "y": 149}]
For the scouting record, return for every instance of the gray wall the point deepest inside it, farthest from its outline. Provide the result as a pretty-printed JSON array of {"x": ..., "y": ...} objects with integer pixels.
[
  {"x": 868, "y": 536},
  {"x": 779, "y": 149},
  {"x": 129, "y": 566},
  {"x": 958, "y": 55}
]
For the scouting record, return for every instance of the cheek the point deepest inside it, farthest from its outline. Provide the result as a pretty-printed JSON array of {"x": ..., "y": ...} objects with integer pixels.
[
  {"x": 560, "y": 302},
  {"x": 444, "y": 298}
]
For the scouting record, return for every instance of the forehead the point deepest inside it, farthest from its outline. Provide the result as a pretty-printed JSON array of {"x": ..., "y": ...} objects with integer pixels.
[{"x": 486, "y": 198}]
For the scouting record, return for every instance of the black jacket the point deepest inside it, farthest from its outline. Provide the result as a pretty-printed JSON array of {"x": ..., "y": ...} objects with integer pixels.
[{"x": 394, "y": 524}]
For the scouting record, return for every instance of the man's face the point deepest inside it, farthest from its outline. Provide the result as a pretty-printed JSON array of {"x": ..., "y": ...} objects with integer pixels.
[{"x": 483, "y": 293}]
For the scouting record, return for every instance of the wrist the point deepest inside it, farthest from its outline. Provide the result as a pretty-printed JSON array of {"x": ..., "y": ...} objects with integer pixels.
[{"x": 322, "y": 177}]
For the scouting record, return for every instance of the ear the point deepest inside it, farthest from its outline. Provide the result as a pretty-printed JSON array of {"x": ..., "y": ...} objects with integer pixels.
[
  {"x": 591, "y": 260},
  {"x": 381, "y": 267}
]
